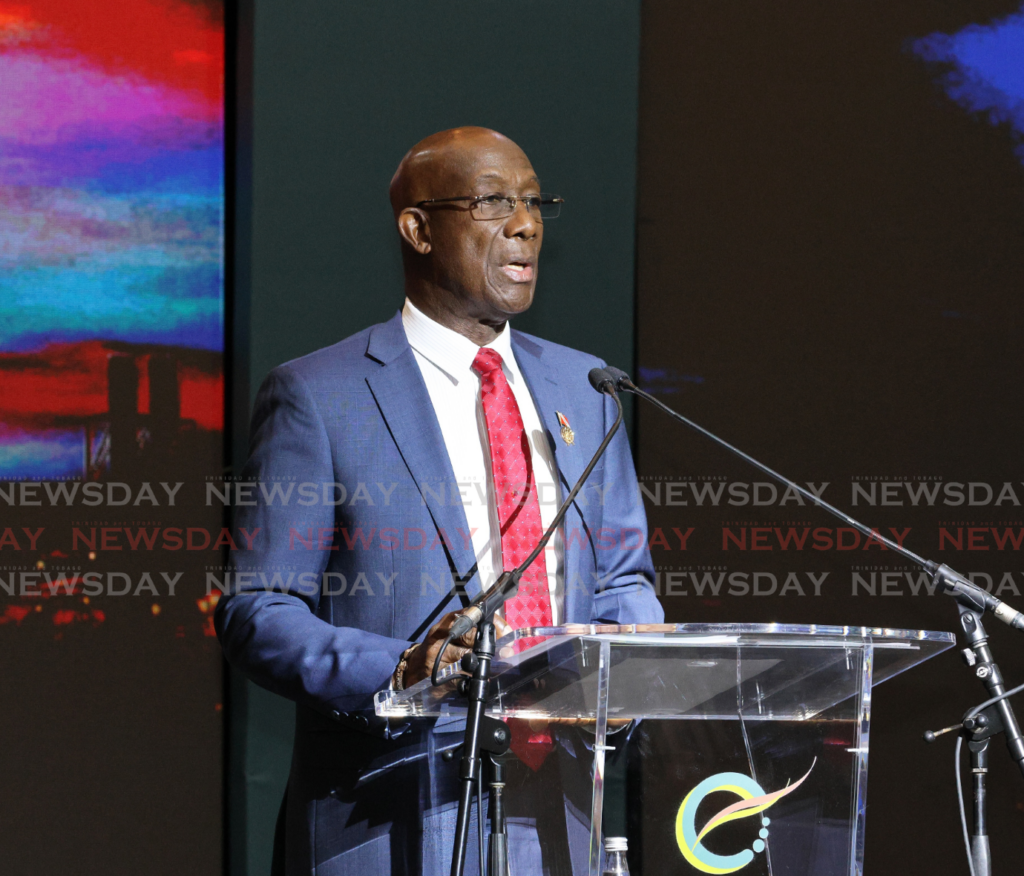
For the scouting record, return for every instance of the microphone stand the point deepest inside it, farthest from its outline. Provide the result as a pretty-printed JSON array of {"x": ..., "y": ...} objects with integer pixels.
[
  {"x": 485, "y": 734},
  {"x": 977, "y": 727},
  {"x": 980, "y": 724}
]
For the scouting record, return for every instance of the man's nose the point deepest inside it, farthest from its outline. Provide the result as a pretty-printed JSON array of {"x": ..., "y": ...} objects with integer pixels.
[{"x": 521, "y": 223}]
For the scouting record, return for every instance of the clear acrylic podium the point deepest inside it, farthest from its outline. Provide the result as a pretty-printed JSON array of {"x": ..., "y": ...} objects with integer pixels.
[{"x": 744, "y": 747}]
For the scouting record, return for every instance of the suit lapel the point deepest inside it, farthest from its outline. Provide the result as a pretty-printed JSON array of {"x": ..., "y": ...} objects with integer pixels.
[
  {"x": 404, "y": 402},
  {"x": 550, "y": 396}
]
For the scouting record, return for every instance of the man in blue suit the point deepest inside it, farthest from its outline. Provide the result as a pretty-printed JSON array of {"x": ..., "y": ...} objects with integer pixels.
[{"x": 377, "y": 514}]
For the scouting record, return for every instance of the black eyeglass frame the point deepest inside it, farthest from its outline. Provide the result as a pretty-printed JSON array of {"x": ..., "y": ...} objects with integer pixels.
[{"x": 544, "y": 199}]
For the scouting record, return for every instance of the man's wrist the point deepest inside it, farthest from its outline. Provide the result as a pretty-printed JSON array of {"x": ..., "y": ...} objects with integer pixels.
[{"x": 398, "y": 677}]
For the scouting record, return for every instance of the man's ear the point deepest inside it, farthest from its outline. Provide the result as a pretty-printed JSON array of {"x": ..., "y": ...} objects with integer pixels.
[{"x": 415, "y": 229}]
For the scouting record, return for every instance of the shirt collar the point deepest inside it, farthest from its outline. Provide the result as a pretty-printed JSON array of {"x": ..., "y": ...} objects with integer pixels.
[{"x": 448, "y": 350}]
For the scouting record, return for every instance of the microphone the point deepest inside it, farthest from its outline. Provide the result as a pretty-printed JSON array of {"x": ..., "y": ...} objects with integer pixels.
[
  {"x": 952, "y": 583},
  {"x": 621, "y": 378},
  {"x": 507, "y": 584},
  {"x": 602, "y": 379},
  {"x": 967, "y": 593}
]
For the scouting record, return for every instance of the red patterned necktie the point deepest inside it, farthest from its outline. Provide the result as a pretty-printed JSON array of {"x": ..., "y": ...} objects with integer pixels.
[{"x": 519, "y": 517}]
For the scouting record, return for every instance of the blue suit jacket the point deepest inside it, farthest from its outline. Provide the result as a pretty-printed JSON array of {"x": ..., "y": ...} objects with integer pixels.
[{"x": 340, "y": 579}]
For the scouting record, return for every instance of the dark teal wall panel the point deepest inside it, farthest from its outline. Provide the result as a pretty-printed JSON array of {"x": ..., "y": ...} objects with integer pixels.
[
  {"x": 343, "y": 89},
  {"x": 340, "y": 91}
]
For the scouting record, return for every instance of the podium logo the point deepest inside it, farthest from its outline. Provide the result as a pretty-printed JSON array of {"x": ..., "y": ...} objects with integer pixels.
[{"x": 753, "y": 801}]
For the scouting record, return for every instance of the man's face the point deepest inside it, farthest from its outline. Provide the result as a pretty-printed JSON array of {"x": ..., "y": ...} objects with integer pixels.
[{"x": 490, "y": 266}]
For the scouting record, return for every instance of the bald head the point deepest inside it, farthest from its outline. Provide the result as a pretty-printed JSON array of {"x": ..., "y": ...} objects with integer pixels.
[
  {"x": 463, "y": 269},
  {"x": 440, "y": 164}
]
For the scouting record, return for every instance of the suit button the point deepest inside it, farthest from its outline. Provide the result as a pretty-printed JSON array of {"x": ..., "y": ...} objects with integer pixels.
[
  {"x": 363, "y": 721},
  {"x": 336, "y": 714}
]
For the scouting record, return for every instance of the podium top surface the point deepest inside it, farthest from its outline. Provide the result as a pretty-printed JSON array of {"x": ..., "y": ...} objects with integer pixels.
[{"x": 696, "y": 671}]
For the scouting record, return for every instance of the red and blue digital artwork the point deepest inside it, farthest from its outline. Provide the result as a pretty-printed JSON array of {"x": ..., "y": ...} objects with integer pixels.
[{"x": 111, "y": 233}]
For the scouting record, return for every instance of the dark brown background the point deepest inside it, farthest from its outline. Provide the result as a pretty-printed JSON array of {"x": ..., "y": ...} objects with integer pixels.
[{"x": 829, "y": 263}]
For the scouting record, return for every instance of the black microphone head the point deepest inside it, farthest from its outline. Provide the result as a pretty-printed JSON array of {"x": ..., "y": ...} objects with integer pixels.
[
  {"x": 601, "y": 380},
  {"x": 620, "y": 377}
]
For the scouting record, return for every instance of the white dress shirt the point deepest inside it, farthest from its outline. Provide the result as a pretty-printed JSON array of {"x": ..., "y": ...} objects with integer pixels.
[{"x": 445, "y": 358}]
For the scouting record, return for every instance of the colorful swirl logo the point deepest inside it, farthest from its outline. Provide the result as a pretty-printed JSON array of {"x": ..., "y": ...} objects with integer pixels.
[{"x": 753, "y": 801}]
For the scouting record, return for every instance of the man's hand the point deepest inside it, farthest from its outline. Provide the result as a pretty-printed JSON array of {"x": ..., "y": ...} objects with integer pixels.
[{"x": 421, "y": 661}]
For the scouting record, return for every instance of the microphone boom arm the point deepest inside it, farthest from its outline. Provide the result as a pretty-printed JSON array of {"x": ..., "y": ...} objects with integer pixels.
[
  {"x": 962, "y": 589},
  {"x": 481, "y": 615},
  {"x": 508, "y": 583},
  {"x": 807, "y": 494}
]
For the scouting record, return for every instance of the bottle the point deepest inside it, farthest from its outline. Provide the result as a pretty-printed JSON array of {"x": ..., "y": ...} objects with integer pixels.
[{"x": 615, "y": 856}]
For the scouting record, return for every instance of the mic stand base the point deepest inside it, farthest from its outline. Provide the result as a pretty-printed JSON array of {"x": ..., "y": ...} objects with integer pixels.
[
  {"x": 483, "y": 735},
  {"x": 497, "y": 847},
  {"x": 979, "y": 836}
]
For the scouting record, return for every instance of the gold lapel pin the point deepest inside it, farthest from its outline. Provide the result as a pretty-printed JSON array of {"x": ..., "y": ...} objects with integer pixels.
[{"x": 567, "y": 434}]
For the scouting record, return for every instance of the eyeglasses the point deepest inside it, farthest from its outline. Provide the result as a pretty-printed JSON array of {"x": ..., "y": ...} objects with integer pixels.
[{"x": 495, "y": 206}]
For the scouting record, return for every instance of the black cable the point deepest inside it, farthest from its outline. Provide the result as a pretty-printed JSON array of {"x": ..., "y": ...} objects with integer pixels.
[
  {"x": 437, "y": 661},
  {"x": 576, "y": 489},
  {"x": 959, "y": 781},
  {"x": 516, "y": 574},
  {"x": 480, "y": 816},
  {"x": 993, "y": 701},
  {"x": 960, "y": 800}
]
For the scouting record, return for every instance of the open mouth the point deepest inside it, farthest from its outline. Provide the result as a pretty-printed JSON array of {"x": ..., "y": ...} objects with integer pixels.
[{"x": 519, "y": 272}]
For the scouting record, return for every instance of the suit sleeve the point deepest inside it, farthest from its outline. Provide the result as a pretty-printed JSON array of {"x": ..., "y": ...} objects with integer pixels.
[
  {"x": 625, "y": 587},
  {"x": 267, "y": 622}
]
